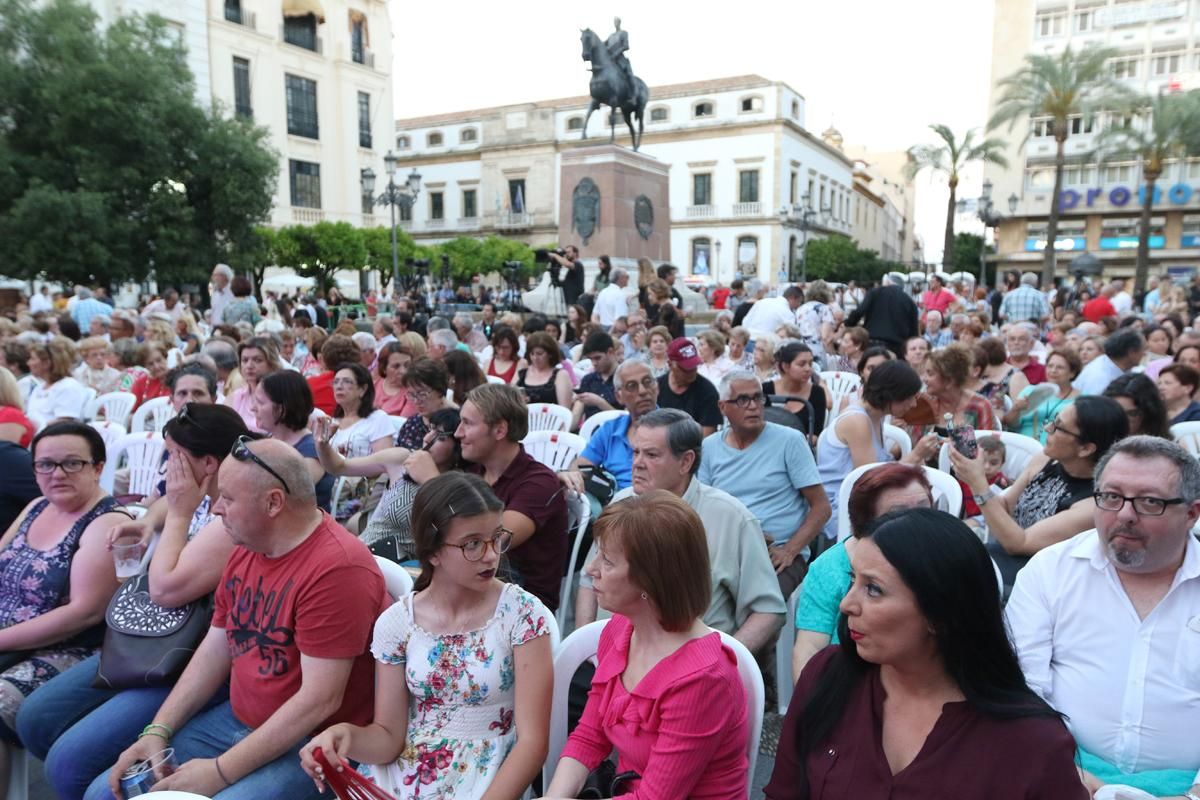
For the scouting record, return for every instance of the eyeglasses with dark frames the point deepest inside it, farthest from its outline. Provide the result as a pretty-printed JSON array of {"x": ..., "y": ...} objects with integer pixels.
[
  {"x": 70, "y": 466},
  {"x": 746, "y": 400},
  {"x": 1053, "y": 427},
  {"x": 474, "y": 549},
  {"x": 1143, "y": 506},
  {"x": 242, "y": 452}
]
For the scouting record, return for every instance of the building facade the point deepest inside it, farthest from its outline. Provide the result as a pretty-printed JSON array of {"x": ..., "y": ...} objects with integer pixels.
[
  {"x": 315, "y": 73},
  {"x": 1158, "y": 49},
  {"x": 742, "y": 166}
]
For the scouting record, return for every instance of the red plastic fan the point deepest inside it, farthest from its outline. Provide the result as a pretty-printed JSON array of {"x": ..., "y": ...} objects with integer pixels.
[{"x": 348, "y": 784}]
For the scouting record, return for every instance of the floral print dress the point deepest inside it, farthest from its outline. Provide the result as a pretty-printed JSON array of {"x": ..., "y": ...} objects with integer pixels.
[
  {"x": 33, "y": 582},
  {"x": 462, "y": 689}
]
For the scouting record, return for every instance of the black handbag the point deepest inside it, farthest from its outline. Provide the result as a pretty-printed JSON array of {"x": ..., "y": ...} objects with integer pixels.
[
  {"x": 146, "y": 644},
  {"x": 604, "y": 782}
]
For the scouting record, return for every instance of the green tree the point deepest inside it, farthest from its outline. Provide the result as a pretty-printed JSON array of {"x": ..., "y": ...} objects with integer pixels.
[
  {"x": 1074, "y": 82},
  {"x": 949, "y": 157},
  {"x": 840, "y": 259},
  {"x": 108, "y": 168},
  {"x": 969, "y": 248},
  {"x": 1161, "y": 127},
  {"x": 378, "y": 242},
  {"x": 318, "y": 251}
]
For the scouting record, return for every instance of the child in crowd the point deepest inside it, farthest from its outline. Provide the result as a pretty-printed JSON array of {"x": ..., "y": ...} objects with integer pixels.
[{"x": 994, "y": 455}]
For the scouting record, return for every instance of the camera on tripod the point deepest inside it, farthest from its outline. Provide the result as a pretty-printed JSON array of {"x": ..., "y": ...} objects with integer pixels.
[{"x": 542, "y": 255}]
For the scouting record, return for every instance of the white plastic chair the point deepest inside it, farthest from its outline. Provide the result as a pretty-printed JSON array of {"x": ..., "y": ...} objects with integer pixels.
[
  {"x": 839, "y": 385},
  {"x": 581, "y": 646},
  {"x": 111, "y": 433},
  {"x": 18, "y": 774},
  {"x": 593, "y": 422},
  {"x": 555, "y": 449},
  {"x": 893, "y": 434},
  {"x": 549, "y": 417},
  {"x": 152, "y": 415},
  {"x": 85, "y": 409},
  {"x": 1187, "y": 436},
  {"x": 143, "y": 452},
  {"x": 398, "y": 581},
  {"x": 785, "y": 681},
  {"x": 1018, "y": 447},
  {"x": 117, "y": 406},
  {"x": 947, "y": 495},
  {"x": 579, "y": 513}
]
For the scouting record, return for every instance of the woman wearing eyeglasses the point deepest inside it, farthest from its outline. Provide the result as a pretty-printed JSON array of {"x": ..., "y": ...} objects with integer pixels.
[
  {"x": 1052, "y": 499},
  {"x": 426, "y": 383},
  {"x": 463, "y": 664},
  {"x": 56, "y": 575},
  {"x": 361, "y": 428},
  {"x": 79, "y": 730}
]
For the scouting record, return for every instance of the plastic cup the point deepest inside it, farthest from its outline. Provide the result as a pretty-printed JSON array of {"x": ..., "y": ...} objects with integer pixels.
[{"x": 127, "y": 556}]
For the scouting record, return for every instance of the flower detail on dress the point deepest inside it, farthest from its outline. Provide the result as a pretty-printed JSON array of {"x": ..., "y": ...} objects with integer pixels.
[{"x": 505, "y": 723}]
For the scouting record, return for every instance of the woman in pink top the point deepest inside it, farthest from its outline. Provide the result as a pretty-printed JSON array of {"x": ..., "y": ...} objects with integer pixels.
[
  {"x": 391, "y": 396},
  {"x": 666, "y": 693},
  {"x": 257, "y": 358}
]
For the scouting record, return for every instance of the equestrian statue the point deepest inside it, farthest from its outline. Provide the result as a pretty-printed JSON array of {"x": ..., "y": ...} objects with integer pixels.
[{"x": 613, "y": 83}]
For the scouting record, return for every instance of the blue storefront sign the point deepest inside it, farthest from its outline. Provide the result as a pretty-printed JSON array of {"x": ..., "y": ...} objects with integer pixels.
[
  {"x": 1119, "y": 196},
  {"x": 1129, "y": 242},
  {"x": 1061, "y": 244},
  {"x": 1189, "y": 240}
]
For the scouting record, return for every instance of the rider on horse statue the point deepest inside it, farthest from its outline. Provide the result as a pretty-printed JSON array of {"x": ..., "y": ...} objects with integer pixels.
[{"x": 618, "y": 45}]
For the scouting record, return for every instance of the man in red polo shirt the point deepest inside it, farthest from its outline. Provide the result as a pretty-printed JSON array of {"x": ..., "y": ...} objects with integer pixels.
[
  {"x": 938, "y": 298},
  {"x": 1101, "y": 306}
]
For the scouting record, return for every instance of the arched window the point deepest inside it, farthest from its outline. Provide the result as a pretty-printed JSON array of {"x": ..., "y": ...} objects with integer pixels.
[
  {"x": 575, "y": 123},
  {"x": 703, "y": 109},
  {"x": 747, "y": 255},
  {"x": 434, "y": 139},
  {"x": 403, "y": 142},
  {"x": 468, "y": 135},
  {"x": 750, "y": 104},
  {"x": 660, "y": 114}
]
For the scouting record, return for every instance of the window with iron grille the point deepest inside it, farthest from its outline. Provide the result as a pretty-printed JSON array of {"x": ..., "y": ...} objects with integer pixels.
[
  {"x": 364, "y": 120},
  {"x": 306, "y": 183},
  {"x": 437, "y": 208},
  {"x": 241, "y": 87},
  {"x": 301, "y": 106},
  {"x": 468, "y": 204},
  {"x": 233, "y": 11},
  {"x": 358, "y": 49}
]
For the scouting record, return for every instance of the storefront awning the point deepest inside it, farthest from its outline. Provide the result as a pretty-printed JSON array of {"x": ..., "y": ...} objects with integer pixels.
[{"x": 300, "y": 8}]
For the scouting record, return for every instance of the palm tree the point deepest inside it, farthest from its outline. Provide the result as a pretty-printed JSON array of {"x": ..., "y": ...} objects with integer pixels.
[
  {"x": 1162, "y": 127},
  {"x": 1059, "y": 87},
  {"x": 949, "y": 158}
]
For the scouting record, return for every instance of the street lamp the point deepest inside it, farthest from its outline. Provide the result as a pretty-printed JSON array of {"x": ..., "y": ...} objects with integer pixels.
[
  {"x": 403, "y": 195},
  {"x": 804, "y": 221},
  {"x": 986, "y": 212}
]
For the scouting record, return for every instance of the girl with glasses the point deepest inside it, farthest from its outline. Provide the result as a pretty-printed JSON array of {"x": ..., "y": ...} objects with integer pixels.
[
  {"x": 361, "y": 428},
  {"x": 463, "y": 664}
]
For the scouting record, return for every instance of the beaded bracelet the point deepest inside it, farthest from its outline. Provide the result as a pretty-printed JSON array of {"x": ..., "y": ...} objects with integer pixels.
[{"x": 149, "y": 731}]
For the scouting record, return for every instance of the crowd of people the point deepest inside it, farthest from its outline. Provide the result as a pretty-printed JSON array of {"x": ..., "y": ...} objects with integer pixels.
[{"x": 790, "y": 449}]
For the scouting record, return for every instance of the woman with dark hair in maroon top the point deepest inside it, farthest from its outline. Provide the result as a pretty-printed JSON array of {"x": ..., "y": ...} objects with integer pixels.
[{"x": 924, "y": 697}]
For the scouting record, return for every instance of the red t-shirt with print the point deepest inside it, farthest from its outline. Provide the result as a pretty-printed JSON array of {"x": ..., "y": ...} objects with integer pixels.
[{"x": 320, "y": 600}]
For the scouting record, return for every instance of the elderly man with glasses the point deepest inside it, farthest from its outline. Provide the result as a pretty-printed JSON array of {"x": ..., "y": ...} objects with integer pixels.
[
  {"x": 1107, "y": 623},
  {"x": 771, "y": 469}
]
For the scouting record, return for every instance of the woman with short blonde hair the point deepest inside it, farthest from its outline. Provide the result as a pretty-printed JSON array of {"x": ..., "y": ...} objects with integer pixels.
[{"x": 95, "y": 370}]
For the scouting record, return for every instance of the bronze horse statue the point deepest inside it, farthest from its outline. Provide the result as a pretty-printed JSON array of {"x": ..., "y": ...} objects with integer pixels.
[{"x": 611, "y": 86}]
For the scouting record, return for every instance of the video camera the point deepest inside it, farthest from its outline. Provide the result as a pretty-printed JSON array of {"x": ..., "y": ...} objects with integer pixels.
[{"x": 542, "y": 255}]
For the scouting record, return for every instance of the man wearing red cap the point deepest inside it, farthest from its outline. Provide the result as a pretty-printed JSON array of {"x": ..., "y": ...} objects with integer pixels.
[{"x": 684, "y": 388}]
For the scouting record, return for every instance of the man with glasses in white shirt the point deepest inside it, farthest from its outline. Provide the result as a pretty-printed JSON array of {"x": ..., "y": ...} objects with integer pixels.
[{"x": 1107, "y": 623}]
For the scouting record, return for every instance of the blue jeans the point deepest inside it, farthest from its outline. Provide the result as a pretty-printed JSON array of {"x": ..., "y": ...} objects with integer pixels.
[
  {"x": 80, "y": 731},
  {"x": 209, "y": 734}
]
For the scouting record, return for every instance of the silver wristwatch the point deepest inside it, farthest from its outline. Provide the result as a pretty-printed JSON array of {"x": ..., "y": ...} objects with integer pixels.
[{"x": 980, "y": 499}]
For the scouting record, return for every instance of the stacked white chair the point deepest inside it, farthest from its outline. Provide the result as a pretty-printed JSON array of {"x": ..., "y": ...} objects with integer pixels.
[
  {"x": 152, "y": 415},
  {"x": 555, "y": 449},
  {"x": 579, "y": 512},
  {"x": 593, "y": 422},
  {"x": 839, "y": 385},
  {"x": 582, "y": 645},
  {"x": 784, "y": 679},
  {"x": 549, "y": 417},
  {"x": 1187, "y": 436},
  {"x": 116, "y": 406},
  {"x": 143, "y": 452},
  {"x": 893, "y": 434},
  {"x": 111, "y": 433},
  {"x": 85, "y": 409},
  {"x": 398, "y": 581}
]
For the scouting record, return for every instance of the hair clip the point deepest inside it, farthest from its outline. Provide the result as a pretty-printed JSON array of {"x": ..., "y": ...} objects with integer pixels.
[{"x": 453, "y": 513}]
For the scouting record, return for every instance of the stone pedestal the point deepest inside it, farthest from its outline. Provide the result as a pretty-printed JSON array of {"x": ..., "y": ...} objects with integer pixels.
[{"x": 621, "y": 177}]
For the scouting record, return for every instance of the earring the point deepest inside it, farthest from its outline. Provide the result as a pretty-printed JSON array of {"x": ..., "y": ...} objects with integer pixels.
[{"x": 645, "y": 596}]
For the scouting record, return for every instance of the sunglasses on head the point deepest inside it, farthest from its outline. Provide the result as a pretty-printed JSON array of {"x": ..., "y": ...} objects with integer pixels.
[{"x": 242, "y": 452}]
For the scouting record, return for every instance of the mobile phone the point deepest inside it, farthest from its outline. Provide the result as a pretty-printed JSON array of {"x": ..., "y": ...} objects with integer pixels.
[{"x": 963, "y": 439}]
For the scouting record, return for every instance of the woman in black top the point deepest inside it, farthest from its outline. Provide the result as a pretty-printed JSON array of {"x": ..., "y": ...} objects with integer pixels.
[
  {"x": 543, "y": 381},
  {"x": 794, "y": 361},
  {"x": 1052, "y": 499}
]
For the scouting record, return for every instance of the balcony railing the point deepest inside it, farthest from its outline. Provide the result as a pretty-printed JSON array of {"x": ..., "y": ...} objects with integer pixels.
[
  {"x": 302, "y": 40},
  {"x": 468, "y": 223},
  {"x": 701, "y": 212},
  {"x": 307, "y": 216},
  {"x": 508, "y": 221},
  {"x": 435, "y": 223},
  {"x": 362, "y": 56},
  {"x": 747, "y": 209}
]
